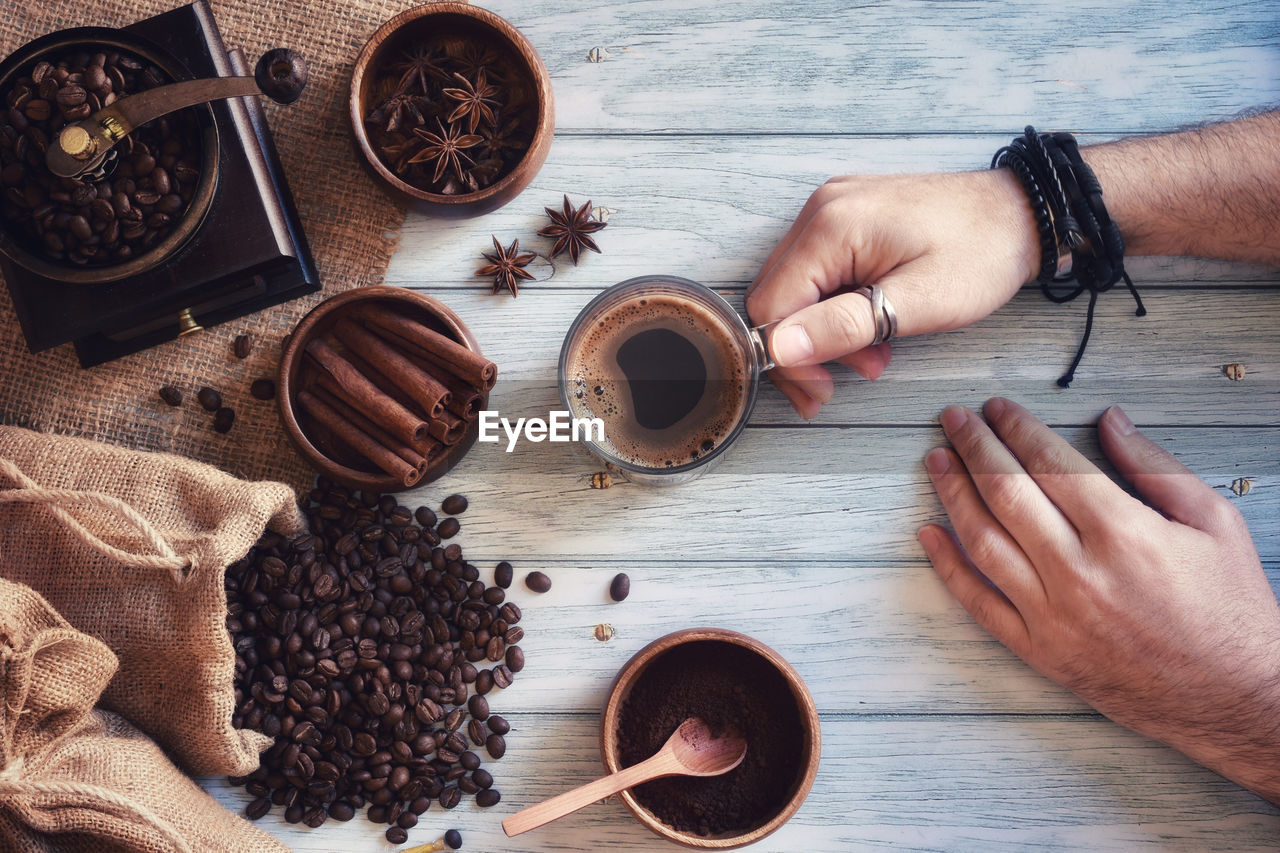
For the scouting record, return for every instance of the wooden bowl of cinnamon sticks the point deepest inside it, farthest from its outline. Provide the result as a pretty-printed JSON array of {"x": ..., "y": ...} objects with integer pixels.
[{"x": 381, "y": 388}]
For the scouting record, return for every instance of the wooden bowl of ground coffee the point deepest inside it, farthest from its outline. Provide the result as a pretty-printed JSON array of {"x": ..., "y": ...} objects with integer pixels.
[{"x": 733, "y": 682}]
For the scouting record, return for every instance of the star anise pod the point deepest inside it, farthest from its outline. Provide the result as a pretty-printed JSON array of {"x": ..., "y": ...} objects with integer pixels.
[
  {"x": 572, "y": 229},
  {"x": 507, "y": 266},
  {"x": 398, "y": 112},
  {"x": 473, "y": 57},
  {"x": 475, "y": 101},
  {"x": 396, "y": 150},
  {"x": 495, "y": 141},
  {"x": 418, "y": 66},
  {"x": 445, "y": 148}
]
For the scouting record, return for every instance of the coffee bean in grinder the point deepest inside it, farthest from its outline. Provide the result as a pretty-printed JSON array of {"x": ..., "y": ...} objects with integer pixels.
[{"x": 141, "y": 197}]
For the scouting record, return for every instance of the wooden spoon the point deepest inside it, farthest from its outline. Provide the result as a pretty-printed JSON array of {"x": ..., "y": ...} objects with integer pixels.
[{"x": 690, "y": 751}]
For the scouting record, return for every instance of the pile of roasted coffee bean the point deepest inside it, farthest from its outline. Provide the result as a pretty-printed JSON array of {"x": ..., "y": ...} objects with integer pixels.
[
  {"x": 366, "y": 648},
  {"x": 143, "y": 192}
]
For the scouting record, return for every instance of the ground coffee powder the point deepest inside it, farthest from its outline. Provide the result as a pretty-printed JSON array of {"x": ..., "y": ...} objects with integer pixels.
[{"x": 732, "y": 689}]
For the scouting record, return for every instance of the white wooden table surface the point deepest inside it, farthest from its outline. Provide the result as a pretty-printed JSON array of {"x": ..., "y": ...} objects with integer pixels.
[{"x": 704, "y": 129}]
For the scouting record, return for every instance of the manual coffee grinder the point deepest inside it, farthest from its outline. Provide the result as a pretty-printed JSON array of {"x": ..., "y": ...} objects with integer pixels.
[{"x": 239, "y": 245}]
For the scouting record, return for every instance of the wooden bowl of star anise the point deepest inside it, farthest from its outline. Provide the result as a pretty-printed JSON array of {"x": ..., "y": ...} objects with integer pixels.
[{"x": 451, "y": 109}]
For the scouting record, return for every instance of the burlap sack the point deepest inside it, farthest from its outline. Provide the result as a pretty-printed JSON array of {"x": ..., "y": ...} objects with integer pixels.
[
  {"x": 131, "y": 548},
  {"x": 75, "y": 778}
]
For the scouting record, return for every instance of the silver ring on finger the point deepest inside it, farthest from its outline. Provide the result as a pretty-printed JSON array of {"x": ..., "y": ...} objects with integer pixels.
[{"x": 886, "y": 319}]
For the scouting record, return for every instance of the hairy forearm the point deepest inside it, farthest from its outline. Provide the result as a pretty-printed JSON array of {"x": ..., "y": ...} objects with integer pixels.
[
  {"x": 1243, "y": 745},
  {"x": 1212, "y": 192}
]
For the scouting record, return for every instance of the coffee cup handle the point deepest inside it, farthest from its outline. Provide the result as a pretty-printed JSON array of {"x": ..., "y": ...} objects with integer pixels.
[{"x": 759, "y": 336}]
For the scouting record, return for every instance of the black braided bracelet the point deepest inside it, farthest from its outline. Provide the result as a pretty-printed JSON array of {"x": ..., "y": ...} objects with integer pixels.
[
  {"x": 1066, "y": 197},
  {"x": 1040, "y": 208}
]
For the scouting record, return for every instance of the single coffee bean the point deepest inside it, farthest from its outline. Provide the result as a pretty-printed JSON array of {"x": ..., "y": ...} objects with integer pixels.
[
  {"x": 448, "y": 528},
  {"x": 488, "y": 797},
  {"x": 502, "y": 574},
  {"x": 515, "y": 658},
  {"x": 450, "y": 797},
  {"x": 496, "y": 746},
  {"x": 537, "y": 582},
  {"x": 477, "y": 732},
  {"x": 263, "y": 389},
  {"x": 316, "y": 816},
  {"x": 425, "y": 516},
  {"x": 453, "y": 839},
  {"x": 482, "y": 777},
  {"x": 224, "y": 419},
  {"x": 397, "y": 835},
  {"x": 479, "y": 707},
  {"x": 294, "y": 813},
  {"x": 407, "y": 820},
  {"x": 454, "y": 505},
  {"x": 621, "y": 587},
  {"x": 171, "y": 395},
  {"x": 502, "y": 676},
  {"x": 258, "y": 808},
  {"x": 469, "y": 760},
  {"x": 484, "y": 681},
  {"x": 453, "y": 720},
  {"x": 38, "y": 110},
  {"x": 342, "y": 811},
  {"x": 242, "y": 346},
  {"x": 210, "y": 399},
  {"x": 498, "y": 724}
]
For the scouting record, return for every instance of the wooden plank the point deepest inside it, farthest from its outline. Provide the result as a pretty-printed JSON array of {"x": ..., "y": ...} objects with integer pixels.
[
  {"x": 1166, "y": 368},
  {"x": 791, "y": 492},
  {"x": 957, "y": 783},
  {"x": 867, "y": 637},
  {"x": 706, "y": 208},
  {"x": 826, "y": 66}
]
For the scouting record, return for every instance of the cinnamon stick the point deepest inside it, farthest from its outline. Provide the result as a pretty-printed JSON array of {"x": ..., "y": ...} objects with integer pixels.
[
  {"x": 422, "y": 387},
  {"x": 406, "y": 452},
  {"x": 448, "y": 428},
  {"x": 358, "y": 440},
  {"x": 360, "y": 393},
  {"x": 431, "y": 345},
  {"x": 465, "y": 400},
  {"x": 330, "y": 392}
]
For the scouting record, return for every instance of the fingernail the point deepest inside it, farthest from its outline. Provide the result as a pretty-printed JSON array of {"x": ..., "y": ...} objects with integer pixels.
[
  {"x": 954, "y": 417},
  {"x": 790, "y": 344},
  {"x": 1120, "y": 421},
  {"x": 928, "y": 536},
  {"x": 937, "y": 461},
  {"x": 995, "y": 407}
]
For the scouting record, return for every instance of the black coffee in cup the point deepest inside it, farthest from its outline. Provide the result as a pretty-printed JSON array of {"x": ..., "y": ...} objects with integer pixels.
[{"x": 665, "y": 374}]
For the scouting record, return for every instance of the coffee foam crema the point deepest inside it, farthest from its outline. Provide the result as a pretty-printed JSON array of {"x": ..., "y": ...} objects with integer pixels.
[{"x": 599, "y": 387}]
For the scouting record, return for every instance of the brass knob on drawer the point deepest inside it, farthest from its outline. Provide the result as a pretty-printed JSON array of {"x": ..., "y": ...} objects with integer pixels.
[{"x": 187, "y": 324}]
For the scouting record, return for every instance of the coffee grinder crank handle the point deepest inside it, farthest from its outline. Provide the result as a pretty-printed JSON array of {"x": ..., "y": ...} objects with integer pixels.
[{"x": 82, "y": 147}]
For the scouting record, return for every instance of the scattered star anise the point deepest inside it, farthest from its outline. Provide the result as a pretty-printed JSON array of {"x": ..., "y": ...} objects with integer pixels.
[
  {"x": 507, "y": 266},
  {"x": 572, "y": 229},
  {"x": 445, "y": 149},
  {"x": 420, "y": 64},
  {"x": 475, "y": 100}
]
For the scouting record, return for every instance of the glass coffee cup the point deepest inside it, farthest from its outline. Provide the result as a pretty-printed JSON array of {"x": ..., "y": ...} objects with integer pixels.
[{"x": 670, "y": 369}]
